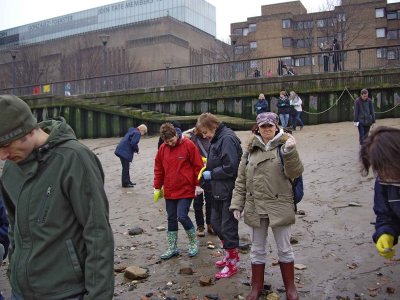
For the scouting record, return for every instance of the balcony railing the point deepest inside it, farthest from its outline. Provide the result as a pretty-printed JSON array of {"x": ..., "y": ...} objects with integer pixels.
[{"x": 277, "y": 66}]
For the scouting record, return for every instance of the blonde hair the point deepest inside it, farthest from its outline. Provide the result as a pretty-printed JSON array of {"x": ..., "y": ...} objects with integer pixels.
[
  {"x": 142, "y": 128},
  {"x": 292, "y": 95},
  {"x": 261, "y": 96}
]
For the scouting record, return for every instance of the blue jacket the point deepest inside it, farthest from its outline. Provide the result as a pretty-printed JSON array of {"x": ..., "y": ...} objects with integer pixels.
[
  {"x": 128, "y": 144},
  {"x": 4, "y": 240},
  {"x": 261, "y": 106},
  {"x": 283, "y": 105},
  {"x": 387, "y": 210}
]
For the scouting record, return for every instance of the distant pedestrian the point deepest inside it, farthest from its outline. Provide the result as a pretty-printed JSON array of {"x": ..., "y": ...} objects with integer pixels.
[
  {"x": 336, "y": 56},
  {"x": 176, "y": 169},
  {"x": 269, "y": 73},
  {"x": 261, "y": 105},
  {"x": 125, "y": 150},
  {"x": 67, "y": 89},
  {"x": 295, "y": 110},
  {"x": 380, "y": 152},
  {"x": 283, "y": 108},
  {"x": 256, "y": 73},
  {"x": 364, "y": 115}
]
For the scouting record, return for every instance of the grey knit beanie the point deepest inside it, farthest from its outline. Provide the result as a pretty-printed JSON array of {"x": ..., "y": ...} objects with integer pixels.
[{"x": 16, "y": 119}]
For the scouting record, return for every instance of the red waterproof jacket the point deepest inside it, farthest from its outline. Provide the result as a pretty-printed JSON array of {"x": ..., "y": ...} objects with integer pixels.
[{"x": 176, "y": 168}]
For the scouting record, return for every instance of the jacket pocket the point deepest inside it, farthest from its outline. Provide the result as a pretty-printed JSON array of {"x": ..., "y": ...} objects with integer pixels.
[
  {"x": 43, "y": 209},
  {"x": 74, "y": 258}
]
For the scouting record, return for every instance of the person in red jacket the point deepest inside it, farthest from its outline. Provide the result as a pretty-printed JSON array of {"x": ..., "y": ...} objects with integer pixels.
[{"x": 177, "y": 165}]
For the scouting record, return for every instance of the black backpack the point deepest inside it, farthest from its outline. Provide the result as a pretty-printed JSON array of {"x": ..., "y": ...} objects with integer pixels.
[{"x": 297, "y": 185}]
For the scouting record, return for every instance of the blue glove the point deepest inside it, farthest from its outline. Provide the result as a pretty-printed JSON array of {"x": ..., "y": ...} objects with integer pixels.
[{"x": 207, "y": 175}]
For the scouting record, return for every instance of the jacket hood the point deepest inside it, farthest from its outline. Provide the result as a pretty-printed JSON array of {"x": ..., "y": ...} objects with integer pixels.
[
  {"x": 256, "y": 141},
  {"x": 59, "y": 132}
]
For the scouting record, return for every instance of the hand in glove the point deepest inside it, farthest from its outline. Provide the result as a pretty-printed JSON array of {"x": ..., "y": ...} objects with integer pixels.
[
  {"x": 198, "y": 191},
  {"x": 207, "y": 175},
  {"x": 158, "y": 194},
  {"x": 356, "y": 123},
  {"x": 385, "y": 245},
  {"x": 290, "y": 144},
  {"x": 237, "y": 214}
]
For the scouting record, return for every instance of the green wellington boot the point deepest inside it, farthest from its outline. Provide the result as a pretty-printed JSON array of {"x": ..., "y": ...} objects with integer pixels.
[
  {"x": 172, "y": 238},
  {"x": 193, "y": 247}
]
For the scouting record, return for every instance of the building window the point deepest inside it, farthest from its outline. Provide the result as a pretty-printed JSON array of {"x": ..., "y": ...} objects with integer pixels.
[
  {"x": 287, "y": 42},
  {"x": 252, "y": 27},
  {"x": 308, "y": 24},
  {"x": 253, "y": 64},
  {"x": 391, "y": 54},
  {"x": 379, "y": 13},
  {"x": 286, "y": 23},
  {"x": 320, "y": 23},
  {"x": 392, "y": 15},
  {"x": 253, "y": 45},
  {"x": 245, "y": 31},
  {"x": 299, "y": 62},
  {"x": 238, "y": 31},
  {"x": 298, "y": 25},
  {"x": 392, "y": 35},
  {"x": 381, "y": 53},
  {"x": 380, "y": 32},
  {"x": 341, "y": 17}
]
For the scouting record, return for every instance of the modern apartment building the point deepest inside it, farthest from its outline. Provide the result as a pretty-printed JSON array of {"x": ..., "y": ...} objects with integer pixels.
[
  {"x": 288, "y": 31},
  {"x": 128, "y": 36}
]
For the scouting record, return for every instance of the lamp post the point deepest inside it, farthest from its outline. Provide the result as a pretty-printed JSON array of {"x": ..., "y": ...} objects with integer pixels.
[
  {"x": 104, "y": 40},
  {"x": 13, "y": 56},
  {"x": 233, "y": 59}
]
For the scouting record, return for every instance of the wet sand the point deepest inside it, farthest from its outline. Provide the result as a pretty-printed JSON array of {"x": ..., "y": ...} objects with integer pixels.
[{"x": 334, "y": 239}]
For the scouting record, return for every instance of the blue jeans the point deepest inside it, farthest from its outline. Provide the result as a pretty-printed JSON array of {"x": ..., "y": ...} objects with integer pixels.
[
  {"x": 363, "y": 132},
  {"x": 178, "y": 210},
  {"x": 284, "y": 120},
  {"x": 296, "y": 118}
]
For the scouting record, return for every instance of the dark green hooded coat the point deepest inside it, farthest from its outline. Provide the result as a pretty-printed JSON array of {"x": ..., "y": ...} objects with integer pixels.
[{"x": 61, "y": 239}]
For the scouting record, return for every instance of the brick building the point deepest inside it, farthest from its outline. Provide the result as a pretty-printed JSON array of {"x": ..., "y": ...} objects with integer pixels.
[{"x": 287, "y": 30}]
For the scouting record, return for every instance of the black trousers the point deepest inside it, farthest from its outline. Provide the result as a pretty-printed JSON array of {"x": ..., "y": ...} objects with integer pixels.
[
  {"x": 224, "y": 223},
  {"x": 198, "y": 204},
  {"x": 126, "y": 178}
]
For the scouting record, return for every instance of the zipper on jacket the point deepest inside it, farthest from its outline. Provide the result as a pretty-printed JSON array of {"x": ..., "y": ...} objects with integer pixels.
[{"x": 43, "y": 212}]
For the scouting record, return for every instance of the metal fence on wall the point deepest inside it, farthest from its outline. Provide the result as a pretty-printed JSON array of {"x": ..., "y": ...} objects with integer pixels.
[{"x": 278, "y": 66}]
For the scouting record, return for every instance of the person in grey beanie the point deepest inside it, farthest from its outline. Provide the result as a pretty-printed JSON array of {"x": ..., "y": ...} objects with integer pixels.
[{"x": 61, "y": 242}]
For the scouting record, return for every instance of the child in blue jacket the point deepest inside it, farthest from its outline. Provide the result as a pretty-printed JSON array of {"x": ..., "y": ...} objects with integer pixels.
[{"x": 381, "y": 151}]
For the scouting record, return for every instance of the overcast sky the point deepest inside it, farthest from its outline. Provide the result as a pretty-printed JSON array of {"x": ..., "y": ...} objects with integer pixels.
[{"x": 15, "y": 13}]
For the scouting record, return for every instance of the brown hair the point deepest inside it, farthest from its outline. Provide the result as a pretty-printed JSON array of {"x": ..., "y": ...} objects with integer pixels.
[
  {"x": 381, "y": 152},
  {"x": 208, "y": 121},
  {"x": 167, "y": 131}
]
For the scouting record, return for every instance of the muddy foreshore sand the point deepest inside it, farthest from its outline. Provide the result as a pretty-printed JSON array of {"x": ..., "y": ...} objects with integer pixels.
[{"x": 334, "y": 238}]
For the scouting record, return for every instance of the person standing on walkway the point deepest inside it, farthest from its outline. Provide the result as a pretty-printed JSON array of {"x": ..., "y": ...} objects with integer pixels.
[
  {"x": 4, "y": 240},
  {"x": 176, "y": 168},
  {"x": 221, "y": 171},
  {"x": 336, "y": 56},
  {"x": 61, "y": 242},
  {"x": 296, "y": 110},
  {"x": 283, "y": 108},
  {"x": 125, "y": 150},
  {"x": 364, "y": 115},
  {"x": 203, "y": 145},
  {"x": 380, "y": 152},
  {"x": 261, "y": 105},
  {"x": 263, "y": 193}
]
